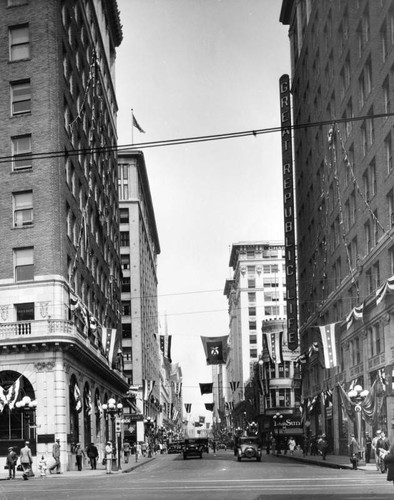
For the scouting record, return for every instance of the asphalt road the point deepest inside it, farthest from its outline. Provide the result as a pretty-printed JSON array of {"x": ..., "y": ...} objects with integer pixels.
[{"x": 215, "y": 477}]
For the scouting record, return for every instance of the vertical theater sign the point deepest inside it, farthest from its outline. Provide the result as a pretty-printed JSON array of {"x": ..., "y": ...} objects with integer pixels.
[{"x": 288, "y": 207}]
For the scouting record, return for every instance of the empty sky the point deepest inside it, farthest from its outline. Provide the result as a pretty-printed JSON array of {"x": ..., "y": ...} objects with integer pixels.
[{"x": 195, "y": 68}]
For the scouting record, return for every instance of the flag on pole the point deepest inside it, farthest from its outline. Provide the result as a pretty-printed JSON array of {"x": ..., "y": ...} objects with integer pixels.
[
  {"x": 188, "y": 407},
  {"x": 147, "y": 388},
  {"x": 329, "y": 345},
  {"x": 355, "y": 314},
  {"x": 109, "y": 336},
  {"x": 234, "y": 385},
  {"x": 136, "y": 124},
  {"x": 273, "y": 341},
  {"x": 77, "y": 398}
]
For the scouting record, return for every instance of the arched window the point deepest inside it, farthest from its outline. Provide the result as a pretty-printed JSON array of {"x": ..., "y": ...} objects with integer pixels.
[{"x": 16, "y": 425}]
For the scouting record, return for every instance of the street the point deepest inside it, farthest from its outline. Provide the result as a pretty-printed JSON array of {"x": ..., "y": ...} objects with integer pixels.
[{"x": 215, "y": 477}]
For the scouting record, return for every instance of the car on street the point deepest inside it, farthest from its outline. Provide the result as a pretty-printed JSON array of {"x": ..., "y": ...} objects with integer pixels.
[
  {"x": 248, "y": 447},
  {"x": 193, "y": 447}
]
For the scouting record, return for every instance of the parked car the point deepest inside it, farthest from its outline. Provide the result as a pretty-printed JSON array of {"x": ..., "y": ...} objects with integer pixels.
[
  {"x": 193, "y": 448},
  {"x": 221, "y": 446},
  {"x": 248, "y": 447}
]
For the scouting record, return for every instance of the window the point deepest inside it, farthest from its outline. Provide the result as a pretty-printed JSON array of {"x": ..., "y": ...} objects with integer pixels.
[
  {"x": 386, "y": 96},
  {"x": 251, "y": 283},
  {"x": 253, "y": 353},
  {"x": 23, "y": 208},
  {"x": 252, "y": 325},
  {"x": 368, "y": 239},
  {"x": 252, "y": 339},
  {"x": 271, "y": 296},
  {"x": 376, "y": 340},
  {"x": 124, "y": 215},
  {"x": 252, "y": 296},
  {"x": 252, "y": 311},
  {"x": 125, "y": 261},
  {"x": 124, "y": 239},
  {"x": 126, "y": 308},
  {"x": 24, "y": 264},
  {"x": 125, "y": 285},
  {"x": 20, "y": 97},
  {"x": 271, "y": 310},
  {"x": 123, "y": 182},
  {"x": 21, "y": 151},
  {"x": 24, "y": 312},
  {"x": 19, "y": 43},
  {"x": 390, "y": 209}
]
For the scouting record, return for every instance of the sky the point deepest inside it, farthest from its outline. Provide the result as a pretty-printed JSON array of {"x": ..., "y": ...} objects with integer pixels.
[{"x": 192, "y": 68}]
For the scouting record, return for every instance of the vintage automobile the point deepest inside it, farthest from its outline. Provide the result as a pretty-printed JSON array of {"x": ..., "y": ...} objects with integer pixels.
[
  {"x": 248, "y": 447},
  {"x": 193, "y": 447}
]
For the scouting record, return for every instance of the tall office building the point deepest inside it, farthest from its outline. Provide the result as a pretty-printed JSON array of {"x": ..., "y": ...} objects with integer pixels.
[
  {"x": 257, "y": 303},
  {"x": 60, "y": 266},
  {"x": 342, "y": 85},
  {"x": 139, "y": 248}
]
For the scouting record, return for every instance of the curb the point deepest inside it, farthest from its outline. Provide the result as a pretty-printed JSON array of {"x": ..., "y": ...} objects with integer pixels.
[
  {"x": 137, "y": 464},
  {"x": 322, "y": 463}
]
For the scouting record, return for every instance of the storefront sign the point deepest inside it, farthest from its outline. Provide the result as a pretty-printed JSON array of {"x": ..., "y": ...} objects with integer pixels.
[{"x": 288, "y": 205}]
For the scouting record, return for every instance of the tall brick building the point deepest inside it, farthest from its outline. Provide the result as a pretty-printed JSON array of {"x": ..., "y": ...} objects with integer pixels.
[
  {"x": 342, "y": 55},
  {"x": 60, "y": 266}
]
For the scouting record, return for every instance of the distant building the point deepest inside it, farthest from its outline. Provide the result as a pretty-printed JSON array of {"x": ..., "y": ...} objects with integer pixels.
[
  {"x": 60, "y": 266},
  {"x": 139, "y": 248},
  {"x": 257, "y": 303},
  {"x": 342, "y": 56}
]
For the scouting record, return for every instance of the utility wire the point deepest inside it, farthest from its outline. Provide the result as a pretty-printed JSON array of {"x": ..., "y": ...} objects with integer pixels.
[{"x": 186, "y": 140}]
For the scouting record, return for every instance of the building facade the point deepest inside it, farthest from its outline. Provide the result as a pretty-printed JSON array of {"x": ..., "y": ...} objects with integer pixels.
[
  {"x": 60, "y": 266},
  {"x": 139, "y": 248},
  {"x": 342, "y": 55},
  {"x": 257, "y": 304}
]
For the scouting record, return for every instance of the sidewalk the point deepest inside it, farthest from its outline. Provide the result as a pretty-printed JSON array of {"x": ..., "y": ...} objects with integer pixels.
[
  {"x": 88, "y": 472},
  {"x": 333, "y": 461}
]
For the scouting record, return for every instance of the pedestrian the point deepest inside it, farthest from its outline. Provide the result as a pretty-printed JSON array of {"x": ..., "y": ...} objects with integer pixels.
[
  {"x": 56, "y": 456},
  {"x": 42, "y": 467},
  {"x": 26, "y": 459},
  {"x": 126, "y": 451},
  {"x": 374, "y": 442},
  {"x": 322, "y": 446},
  {"x": 108, "y": 457},
  {"x": 354, "y": 451},
  {"x": 291, "y": 444},
  {"x": 389, "y": 461},
  {"x": 214, "y": 446},
  {"x": 11, "y": 460},
  {"x": 368, "y": 447},
  {"x": 79, "y": 455},
  {"x": 92, "y": 453},
  {"x": 268, "y": 445},
  {"x": 314, "y": 445}
]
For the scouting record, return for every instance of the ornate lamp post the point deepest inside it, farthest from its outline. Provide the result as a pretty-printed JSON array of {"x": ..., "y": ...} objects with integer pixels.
[
  {"x": 358, "y": 395},
  {"x": 28, "y": 408},
  {"x": 112, "y": 410},
  {"x": 278, "y": 417}
]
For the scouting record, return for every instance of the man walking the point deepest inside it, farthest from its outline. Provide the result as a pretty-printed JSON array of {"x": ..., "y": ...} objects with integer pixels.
[
  {"x": 26, "y": 459},
  {"x": 374, "y": 443},
  {"x": 56, "y": 456},
  {"x": 92, "y": 454}
]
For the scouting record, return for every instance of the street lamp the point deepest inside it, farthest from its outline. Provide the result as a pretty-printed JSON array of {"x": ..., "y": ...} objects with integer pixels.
[
  {"x": 278, "y": 417},
  {"x": 112, "y": 409},
  {"x": 358, "y": 395},
  {"x": 27, "y": 406}
]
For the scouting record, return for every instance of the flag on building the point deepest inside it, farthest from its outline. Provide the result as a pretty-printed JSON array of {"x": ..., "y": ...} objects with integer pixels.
[
  {"x": 206, "y": 388},
  {"x": 13, "y": 393},
  {"x": 215, "y": 349},
  {"x": 169, "y": 340},
  {"x": 329, "y": 345},
  {"x": 77, "y": 399},
  {"x": 234, "y": 385},
  {"x": 273, "y": 342},
  {"x": 382, "y": 290},
  {"x": 188, "y": 407},
  {"x": 110, "y": 341},
  {"x": 355, "y": 314},
  {"x": 147, "y": 388},
  {"x": 3, "y": 399},
  {"x": 88, "y": 402},
  {"x": 74, "y": 301}
]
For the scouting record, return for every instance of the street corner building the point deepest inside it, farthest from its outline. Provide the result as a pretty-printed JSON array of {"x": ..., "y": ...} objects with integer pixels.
[
  {"x": 60, "y": 273},
  {"x": 342, "y": 56}
]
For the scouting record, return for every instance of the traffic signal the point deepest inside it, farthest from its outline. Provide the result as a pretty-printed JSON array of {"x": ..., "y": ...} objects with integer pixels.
[{"x": 118, "y": 426}]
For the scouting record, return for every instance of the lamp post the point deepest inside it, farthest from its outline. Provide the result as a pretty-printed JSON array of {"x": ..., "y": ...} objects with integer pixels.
[
  {"x": 358, "y": 395},
  {"x": 278, "y": 417},
  {"x": 112, "y": 410},
  {"x": 27, "y": 406}
]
